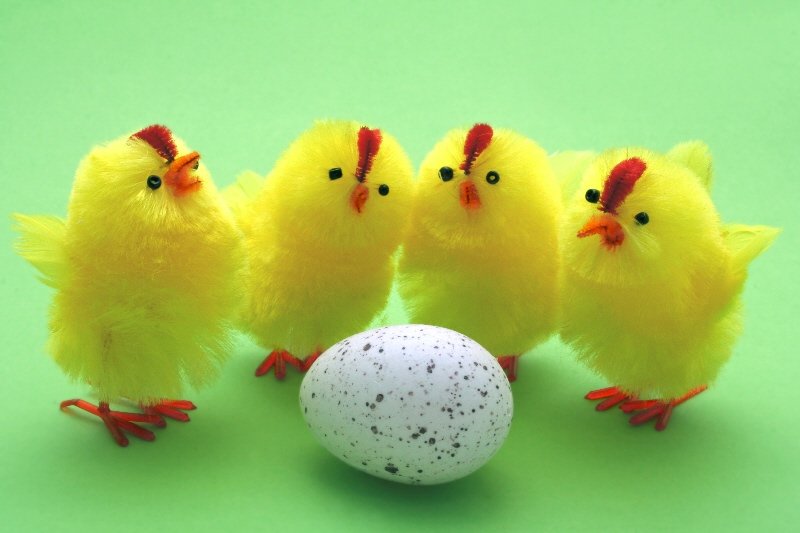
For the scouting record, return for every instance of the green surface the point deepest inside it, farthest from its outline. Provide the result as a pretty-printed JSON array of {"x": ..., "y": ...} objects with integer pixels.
[{"x": 239, "y": 82}]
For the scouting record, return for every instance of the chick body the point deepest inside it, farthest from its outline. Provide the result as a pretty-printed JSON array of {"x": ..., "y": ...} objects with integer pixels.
[
  {"x": 146, "y": 280},
  {"x": 490, "y": 270},
  {"x": 658, "y": 313},
  {"x": 320, "y": 266}
]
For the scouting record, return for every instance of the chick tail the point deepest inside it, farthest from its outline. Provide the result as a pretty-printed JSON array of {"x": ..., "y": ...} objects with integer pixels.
[
  {"x": 242, "y": 192},
  {"x": 41, "y": 243},
  {"x": 696, "y": 156},
  {"x": 569, "y": 168},
  {"x": 747, "y": 242}
]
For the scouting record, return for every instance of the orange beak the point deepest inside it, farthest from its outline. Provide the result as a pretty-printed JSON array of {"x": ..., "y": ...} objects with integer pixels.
[
  {"x": 359, "y": 197},
  {"x": 179, "y": 174},
  {"x": 605, "y": 226},
  {"x": 469, "y": 195}
]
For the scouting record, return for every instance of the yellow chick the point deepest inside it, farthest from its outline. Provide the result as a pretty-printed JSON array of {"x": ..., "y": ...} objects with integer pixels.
[
  {"x": 652, "y": 278},
  {"x": 145, "y": 268},
  {"x": 320, "y": 233},
  {"x": 481, "y": 254}
]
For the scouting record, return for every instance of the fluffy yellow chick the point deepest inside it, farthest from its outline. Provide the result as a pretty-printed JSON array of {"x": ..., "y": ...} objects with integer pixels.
[
  {"x": 652, "y": 278},
  {"x": 145, "y": 267},
  {"x": 320, "y": 233},
  {"x": 481, "y": 254}
]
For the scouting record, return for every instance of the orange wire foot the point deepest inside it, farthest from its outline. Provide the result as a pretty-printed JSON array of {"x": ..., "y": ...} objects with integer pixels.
[
  {"x": 308, "y": 361},
  {"x": 660, "y": 410},
  {"x": 173, "y": 409},
  {"x": 645, "y": 410},
  {"x": 509, "y": 364},
  {"x": 278, "y": 360},
  {"x": 611, "y": 396},
  {"x": 117, "y": 422}
]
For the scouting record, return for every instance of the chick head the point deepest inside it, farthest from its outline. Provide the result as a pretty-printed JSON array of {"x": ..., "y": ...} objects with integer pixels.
[
  {"x": 342, "y": 185},
  {"x": 482, "y": 186},
  {"x": 143, "y": 180},
  {"x": 637, "y": 217}
]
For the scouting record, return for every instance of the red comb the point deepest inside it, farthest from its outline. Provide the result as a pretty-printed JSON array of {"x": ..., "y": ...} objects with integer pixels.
[
  {"x": 160, "y": 138},
  {"x": 478, "y": 139},
  {"x": 620, "y": 182},
  {"x": 369, "y": 141}
]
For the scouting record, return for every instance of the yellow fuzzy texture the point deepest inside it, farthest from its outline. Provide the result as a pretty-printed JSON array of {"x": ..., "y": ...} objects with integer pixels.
[
  {"x": 146, "y": 282},
  {"x": 658, "y": 315},
  {"x": 318, "y": 271},
  {"x": 489, "y": 273}
]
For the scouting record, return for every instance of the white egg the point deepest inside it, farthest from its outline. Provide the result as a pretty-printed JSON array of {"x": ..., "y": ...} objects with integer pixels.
[{"x": 415, "y": 404}]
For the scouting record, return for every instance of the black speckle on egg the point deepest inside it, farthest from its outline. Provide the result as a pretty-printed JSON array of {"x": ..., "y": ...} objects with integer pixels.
[
  {"x": 367, "y": 347},
  {"x": 391, "y": 468},
  {"x": 379, "y": 398},
  {"x": 431, "y": 441}
]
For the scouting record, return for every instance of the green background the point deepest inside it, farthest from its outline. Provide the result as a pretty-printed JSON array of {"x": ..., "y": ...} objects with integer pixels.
[{"x": 239, "y": 82}]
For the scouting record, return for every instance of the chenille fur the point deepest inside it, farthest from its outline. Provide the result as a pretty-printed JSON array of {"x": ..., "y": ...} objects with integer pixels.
[
  {"x": 320, "y": 271},
  {"x": 146, "y": 282},
  {"x": 491, "y": 272},
  {"x": 658, "y": 315}
]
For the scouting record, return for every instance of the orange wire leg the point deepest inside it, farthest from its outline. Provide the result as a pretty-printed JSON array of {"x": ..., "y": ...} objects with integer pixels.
[
  {"x": 311, "y": 359},
  {"x": 509, "y": 364},
  {"x": 118, "y": 422},
  {"x": 662, "y": 411},
  {"x": 611, "y": 396},
  {"x": 173, "y": 409},
  {"x": 278, "y": 360}
]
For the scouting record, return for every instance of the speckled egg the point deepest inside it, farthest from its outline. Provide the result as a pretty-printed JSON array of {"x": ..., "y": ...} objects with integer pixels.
[{"x": 415, "y": 404}]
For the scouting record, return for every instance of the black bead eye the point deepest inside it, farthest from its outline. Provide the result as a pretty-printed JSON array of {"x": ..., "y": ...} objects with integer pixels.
[
  {"x": 383, "y": 190},
  {"x": 642, "y": 218},
  {"x": 592, "y": 196},
  {"x": 154, "y": 182},
  {"x": 446, "y": 173},
  {"x": 335, "y": 173},
  {"x": 196, "y": 164},
  {"x": 492, "y": 177}
]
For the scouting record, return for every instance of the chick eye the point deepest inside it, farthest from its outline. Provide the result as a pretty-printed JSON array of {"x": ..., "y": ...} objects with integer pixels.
[
  {"x": 154, "y": 182},
  {"x": 592, "y": 196},
  {"x": 196, "y": 164},
  {"x": 642, "y": 218},
  {"x": 383, "y": 190},
  {"x": 335, "y": 173},
  {"x": 446, "y": 173},
  {"x": 492, "y": 177}
]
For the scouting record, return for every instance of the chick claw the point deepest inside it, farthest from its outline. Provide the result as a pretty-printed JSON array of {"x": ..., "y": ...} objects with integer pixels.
[
  {"x": 651, "y": 409},
  {"x": 171, "y": 409},
  {"x": 611, "y": 396},
  {"x": 509, "y": 364},
  {"x": 308, "y": 361},
  {"x": 117, "y": 421},
  {"x": 278, "y": 359}
]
